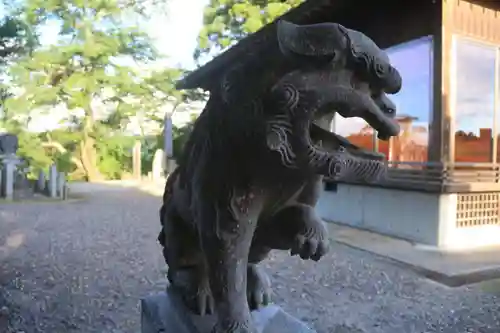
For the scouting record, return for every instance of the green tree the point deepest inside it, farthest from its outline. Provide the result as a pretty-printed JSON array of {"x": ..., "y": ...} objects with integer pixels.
[
  {"x": 227, "y": 21},
  {"x": 92, "y": 72},
  {"x": 16, "y": 38}
]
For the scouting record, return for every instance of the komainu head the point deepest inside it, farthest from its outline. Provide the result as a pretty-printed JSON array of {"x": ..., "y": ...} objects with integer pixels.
[{"x": 335, "y": 70}]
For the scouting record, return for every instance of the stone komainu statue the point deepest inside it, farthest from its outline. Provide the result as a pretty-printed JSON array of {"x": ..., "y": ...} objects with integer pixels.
[{"x": 252, "y": 169}]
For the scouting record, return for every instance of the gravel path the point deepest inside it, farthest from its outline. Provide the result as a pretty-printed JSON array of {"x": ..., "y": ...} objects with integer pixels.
[{"x": 82, "y": 267}]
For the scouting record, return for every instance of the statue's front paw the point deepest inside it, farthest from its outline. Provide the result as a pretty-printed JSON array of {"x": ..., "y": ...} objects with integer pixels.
[
  {"x": 312, "y": 242},
  {"x": 258, "y": 287}
]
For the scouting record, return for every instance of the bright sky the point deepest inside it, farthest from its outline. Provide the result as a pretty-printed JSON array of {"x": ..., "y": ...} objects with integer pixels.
[{"x": 174, "y": 34}]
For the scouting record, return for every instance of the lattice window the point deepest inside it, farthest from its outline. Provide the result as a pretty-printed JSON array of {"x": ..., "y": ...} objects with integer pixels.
[{"x": 477, "y": 209}]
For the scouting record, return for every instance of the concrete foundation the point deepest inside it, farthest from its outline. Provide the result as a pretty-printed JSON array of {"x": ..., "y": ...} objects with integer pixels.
[{"x": 425, "y": 218}]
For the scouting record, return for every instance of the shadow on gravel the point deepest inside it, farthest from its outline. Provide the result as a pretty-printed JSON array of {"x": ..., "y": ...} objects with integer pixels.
[{"x": 79, "y": 265}]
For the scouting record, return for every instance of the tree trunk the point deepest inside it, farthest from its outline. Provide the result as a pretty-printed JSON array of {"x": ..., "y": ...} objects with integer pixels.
[
  {"x": 88, "y": 152},
  {"x": 60, "y": 148}
]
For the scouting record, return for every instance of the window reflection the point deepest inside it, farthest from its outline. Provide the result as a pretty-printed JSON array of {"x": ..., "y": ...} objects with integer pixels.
[
  {"x": 414, "y": 104},
  {"x": 414, "y": 101},
  {"x": 356, "y": 130},
  {"x": 474, "y": 109}
]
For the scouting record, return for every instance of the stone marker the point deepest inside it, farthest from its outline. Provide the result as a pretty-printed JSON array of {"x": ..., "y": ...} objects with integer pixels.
[
  {"x": 52, "y": 183},
  {"x": 41, "y": 182},
  {"x": 8, "y": 174},
  {"x": 65, "y": 192},
  {"x": 168, "y": 142},
  {"x": 23, "y": 187},
  {"x": 158, "y": 164},
  {"x": 166, "y": 313},
  {"x": 61, "y": 183}
]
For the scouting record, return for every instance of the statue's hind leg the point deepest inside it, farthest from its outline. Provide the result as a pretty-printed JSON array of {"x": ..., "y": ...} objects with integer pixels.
[
  {"x": 226, "y": 231},
  {"x": 186, "y": 268},
  {"x": 188, "y": 274},
  {"x": 258, "y": 282}
]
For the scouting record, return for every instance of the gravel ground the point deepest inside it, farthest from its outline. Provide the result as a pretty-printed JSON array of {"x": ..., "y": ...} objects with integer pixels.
[{"x": 82, "y": 266}]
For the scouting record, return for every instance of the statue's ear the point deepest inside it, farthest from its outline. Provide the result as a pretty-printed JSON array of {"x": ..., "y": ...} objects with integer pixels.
[{"x": 317, "y": 40}]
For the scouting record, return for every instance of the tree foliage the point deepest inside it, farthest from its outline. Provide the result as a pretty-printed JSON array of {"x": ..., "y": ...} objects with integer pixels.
[
  {"x": 227, "y": 21},
  {"x": 92, "y": 71},
  {"x": 16, "y": 38}
]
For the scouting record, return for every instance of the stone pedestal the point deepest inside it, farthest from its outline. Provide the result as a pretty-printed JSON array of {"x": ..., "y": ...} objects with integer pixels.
[{"x": 166, "y": 313}]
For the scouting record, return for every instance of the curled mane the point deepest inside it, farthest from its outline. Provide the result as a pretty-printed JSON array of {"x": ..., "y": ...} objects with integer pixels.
[
  {"x": 227, "y": 134},
  {"x": 223, "y": 137}
]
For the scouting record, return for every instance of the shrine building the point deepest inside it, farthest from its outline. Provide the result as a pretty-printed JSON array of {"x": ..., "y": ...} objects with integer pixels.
[{"x": 443, "y": 186}]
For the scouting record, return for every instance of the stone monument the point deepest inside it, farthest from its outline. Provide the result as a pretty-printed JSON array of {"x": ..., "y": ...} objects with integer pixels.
[
  {"x": 252, "y": 171},
  {"x": 10, "y": 178},
  {"x": 14, "y": 181},
  {"x": 158, "y": 167}
]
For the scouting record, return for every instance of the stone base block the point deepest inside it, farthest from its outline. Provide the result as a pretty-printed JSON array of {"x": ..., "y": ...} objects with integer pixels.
[{"x": 166, "y": 313}]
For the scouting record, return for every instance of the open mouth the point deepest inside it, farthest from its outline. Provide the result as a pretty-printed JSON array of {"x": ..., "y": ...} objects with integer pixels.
[
  {"x": 333, "y": 142},
  {"x": 380, "y": 117}
]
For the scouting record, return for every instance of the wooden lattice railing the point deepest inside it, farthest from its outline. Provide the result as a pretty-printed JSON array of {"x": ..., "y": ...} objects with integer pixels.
[{"x": 439, "y": 177}]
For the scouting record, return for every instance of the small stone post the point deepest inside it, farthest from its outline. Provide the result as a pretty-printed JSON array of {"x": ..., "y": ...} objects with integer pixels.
[
  {"x": 168, "y": 143},
  {"x": 61, "y": 183},
  {"x": 8, "y": 171},
  {"x": 41, "y": 182},
  {"x": 158, "y": 165},
  {"x": 52, "y": 185}
]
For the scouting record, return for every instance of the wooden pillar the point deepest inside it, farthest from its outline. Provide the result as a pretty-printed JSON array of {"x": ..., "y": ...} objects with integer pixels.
[
  {"x": 136, "y": 160},
  {"x": 440, "y": 148}
]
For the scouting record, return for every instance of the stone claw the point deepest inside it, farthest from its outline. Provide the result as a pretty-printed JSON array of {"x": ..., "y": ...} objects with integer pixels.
[
  {"x": 311, "y": 245},
  {"x": 197, "y": 294},
  {"x": 258, "y": 287},
  {"x": 205, "y": 303},
  {"x": 232, "y": 326}
]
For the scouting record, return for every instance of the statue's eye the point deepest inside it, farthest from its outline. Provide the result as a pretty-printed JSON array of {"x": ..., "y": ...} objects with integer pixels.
[{"x": 379, "y": 68}]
